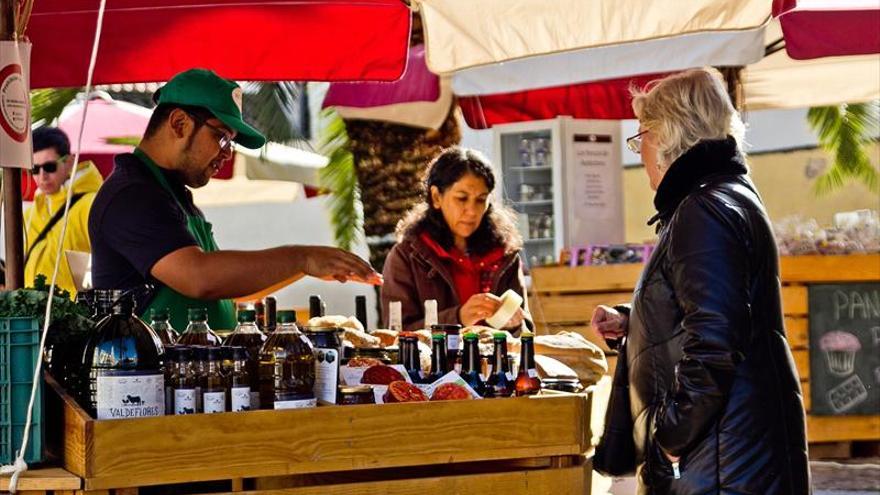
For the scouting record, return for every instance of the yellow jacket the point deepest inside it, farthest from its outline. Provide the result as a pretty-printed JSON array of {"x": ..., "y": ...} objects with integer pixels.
[{"x": 42, "y": 258}]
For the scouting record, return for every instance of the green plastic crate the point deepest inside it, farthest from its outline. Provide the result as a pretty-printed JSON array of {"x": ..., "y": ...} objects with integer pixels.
[{"x": 19, "y": 349}]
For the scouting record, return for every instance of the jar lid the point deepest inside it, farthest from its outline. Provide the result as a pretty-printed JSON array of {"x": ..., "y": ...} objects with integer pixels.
[
  {"x": 355, "y": 389},
  {"x": 247, "y": 316},
  {"x": 286, "y": 316}
]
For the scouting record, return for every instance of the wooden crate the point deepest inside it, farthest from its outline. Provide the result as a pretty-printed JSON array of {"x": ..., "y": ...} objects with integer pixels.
[
  {"x": 563, "y": 298},
  {"x": 550, "y": 432}
]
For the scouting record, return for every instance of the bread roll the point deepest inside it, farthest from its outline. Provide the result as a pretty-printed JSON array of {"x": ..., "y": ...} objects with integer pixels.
[
  {"x": 576, "y": 352},
  {"x": 335, "y": 321},
  {"x": 361, "y": 339},
  {"x": 387, "y": 338}
]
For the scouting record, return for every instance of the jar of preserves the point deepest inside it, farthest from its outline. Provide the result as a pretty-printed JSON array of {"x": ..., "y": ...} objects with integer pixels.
[{"x": 355, "y": 395}]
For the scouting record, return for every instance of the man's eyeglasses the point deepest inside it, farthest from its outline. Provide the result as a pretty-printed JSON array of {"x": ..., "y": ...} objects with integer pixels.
[
  {"x": 49, "y": 167},
  {"x": 225, "y": 140},
  {"x": 634, "y": 143}
]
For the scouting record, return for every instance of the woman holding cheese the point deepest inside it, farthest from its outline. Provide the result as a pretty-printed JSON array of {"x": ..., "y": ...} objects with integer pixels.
[{"x": 457, "y": 248}]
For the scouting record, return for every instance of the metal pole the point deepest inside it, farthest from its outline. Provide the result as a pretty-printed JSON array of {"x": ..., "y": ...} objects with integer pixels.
[{"x": 12, "y": 218}]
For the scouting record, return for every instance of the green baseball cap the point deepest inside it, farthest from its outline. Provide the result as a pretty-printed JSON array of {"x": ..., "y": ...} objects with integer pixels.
[{"x": 204, "y": 88}]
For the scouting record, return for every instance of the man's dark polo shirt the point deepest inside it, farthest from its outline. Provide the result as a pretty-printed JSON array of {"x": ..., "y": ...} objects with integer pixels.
[{"x": 134, "y": 223}]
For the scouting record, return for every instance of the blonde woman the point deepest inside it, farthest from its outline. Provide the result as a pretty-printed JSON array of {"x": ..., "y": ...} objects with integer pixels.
[{"x": 715, "y": 398}]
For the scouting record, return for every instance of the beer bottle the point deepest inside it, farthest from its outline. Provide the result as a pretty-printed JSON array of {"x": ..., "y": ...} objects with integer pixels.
[
  {"x": 271, "y": 305},
  {"x": 471, "y": 364},
  {"x": 360, "y": 310},
  {"x": 411, "y": 360},
  {"x": 439, "y": 364},
  {"x": 527, "y": 382},
  {"x": 500, "y": 382},
  {"x": 316, "y": 307}
]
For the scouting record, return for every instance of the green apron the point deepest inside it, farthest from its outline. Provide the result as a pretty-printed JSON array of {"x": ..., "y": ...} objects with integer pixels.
[{"x": 221, "y": 313}]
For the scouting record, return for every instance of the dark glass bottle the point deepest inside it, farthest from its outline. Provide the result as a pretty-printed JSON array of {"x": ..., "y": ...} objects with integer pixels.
[
  {"x": 199, "y": 365},
  {"x": 287, "y": 367},
  {"x": 183, "y": 382},
  {"x": 123, "y": 361},
  {"x": 500, "y": 382},
  {"x": 411, "y": 361},
  {"x": 247, "y": 335},
  {"x": 213, "y": 383},
  {"x": 161, "y": 324},
  {"x": 260, "y": 311},
  {"x": 239, "y": 381},
  {"x": 171, "y": 353},
  {"x": 360, "y": 310},
  {"x": 316, "y": 307},
  {"x": 197, "y": 331},
  {"x": 471, "y": 364},
  {"x": 439, "y": 364},
  {"x": 527, "y": 382},
  {"x": 453, "y": 336},
  {"x": 271, "y": 305}
]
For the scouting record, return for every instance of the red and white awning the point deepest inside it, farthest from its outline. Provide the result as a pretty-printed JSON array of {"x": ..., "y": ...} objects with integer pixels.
[{"x": 254, "y": 40}]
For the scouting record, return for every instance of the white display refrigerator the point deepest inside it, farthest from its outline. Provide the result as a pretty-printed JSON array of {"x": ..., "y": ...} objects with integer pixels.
[{"x": 564, "y": 179}]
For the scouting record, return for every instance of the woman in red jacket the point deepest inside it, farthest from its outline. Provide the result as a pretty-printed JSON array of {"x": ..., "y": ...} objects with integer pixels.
[{"x": 457, "y": 248}]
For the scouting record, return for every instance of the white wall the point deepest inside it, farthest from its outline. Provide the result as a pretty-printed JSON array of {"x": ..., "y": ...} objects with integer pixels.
[{"x": 258, "y": 226}]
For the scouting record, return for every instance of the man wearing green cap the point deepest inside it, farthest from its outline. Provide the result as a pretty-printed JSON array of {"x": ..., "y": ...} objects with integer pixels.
[{"x": 145, "y": 228}]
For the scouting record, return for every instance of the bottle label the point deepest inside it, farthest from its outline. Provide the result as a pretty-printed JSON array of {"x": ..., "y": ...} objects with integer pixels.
[
  {"x": 533, "y": 373},
  {"x": 296, "y": 404},
  {"x": 326, "y": 374},
  {"x": 185, "y": 401},
  {"x": 214, "y": 402},
  {"x": 255, "y": 400},
  {"x": 129, "y": 394},
  {"x": 509, "y": 376},
  {"x": 452, "y": 341},
  {"x": 240, "y": 398}
]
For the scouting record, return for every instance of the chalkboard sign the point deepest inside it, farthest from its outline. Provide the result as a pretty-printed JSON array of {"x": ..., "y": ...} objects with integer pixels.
[{"x": 845, "y": 349}]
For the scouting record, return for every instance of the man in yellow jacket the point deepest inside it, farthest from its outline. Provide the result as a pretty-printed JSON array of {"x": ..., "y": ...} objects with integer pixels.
[{"x": 53, "y": 167}]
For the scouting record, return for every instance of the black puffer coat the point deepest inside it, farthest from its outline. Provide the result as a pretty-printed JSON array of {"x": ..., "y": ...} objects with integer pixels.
[{"x": 712, "y": 379}]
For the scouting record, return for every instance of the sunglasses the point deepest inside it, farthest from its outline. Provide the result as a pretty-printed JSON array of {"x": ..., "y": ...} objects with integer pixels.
[
  {"x": 634, "y": 143},
  {"x": 225, "y": 139},
  {"x": 49, "y": 167}
]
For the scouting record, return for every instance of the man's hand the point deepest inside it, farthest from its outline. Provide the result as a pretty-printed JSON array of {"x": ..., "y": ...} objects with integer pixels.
[
  {"x": 608, "y": 323},
  {"x": 478, "y": 308},
  {"x": 329, "y": 263}
]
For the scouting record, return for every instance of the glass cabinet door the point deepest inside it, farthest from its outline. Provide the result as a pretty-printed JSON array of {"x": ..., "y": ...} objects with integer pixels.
[{"x": 527, "y": 177}]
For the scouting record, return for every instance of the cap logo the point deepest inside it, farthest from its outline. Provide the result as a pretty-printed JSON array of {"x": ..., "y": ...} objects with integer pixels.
[{"x": 236, "y": 97}]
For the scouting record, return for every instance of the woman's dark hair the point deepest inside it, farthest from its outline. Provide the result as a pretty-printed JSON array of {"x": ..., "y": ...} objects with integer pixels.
[{"x": 497, "y": 229}]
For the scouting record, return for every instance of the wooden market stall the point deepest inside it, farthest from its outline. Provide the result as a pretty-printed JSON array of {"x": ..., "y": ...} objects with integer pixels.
[
  {"x": 563, "y": 298},
  {"x": 535, "y": 445}
]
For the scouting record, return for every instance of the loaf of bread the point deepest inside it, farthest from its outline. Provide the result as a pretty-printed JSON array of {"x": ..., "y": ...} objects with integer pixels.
[
  {"x": 387, "y": 338},
  {"x": 552, "y": 368},
  {"x": 361, "y": 339},
  {"x": 576, "y": 352},
  {"x": 335, "y": 321}
]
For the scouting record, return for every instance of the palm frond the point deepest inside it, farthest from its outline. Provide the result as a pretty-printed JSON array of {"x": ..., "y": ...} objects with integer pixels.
[
  {"x": 845, "y": 132},
  {"x": 47, "y": 104},
  {"x": 275, "y": 110},
  {"x": 339, "y": 177}
]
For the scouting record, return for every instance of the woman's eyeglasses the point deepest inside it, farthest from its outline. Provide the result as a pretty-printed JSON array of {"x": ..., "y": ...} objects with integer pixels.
[
  {"x": 49, "y": 167},
  {"x": 634, "y": 143}
]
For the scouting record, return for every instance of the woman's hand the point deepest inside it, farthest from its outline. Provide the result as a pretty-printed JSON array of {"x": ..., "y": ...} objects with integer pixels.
[
  {"x": 478, "y": 308},
  {"x": 609, "y": 323}
]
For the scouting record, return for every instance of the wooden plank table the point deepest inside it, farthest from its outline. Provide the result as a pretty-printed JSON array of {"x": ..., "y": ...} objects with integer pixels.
[{"x": 45, "y": 481}]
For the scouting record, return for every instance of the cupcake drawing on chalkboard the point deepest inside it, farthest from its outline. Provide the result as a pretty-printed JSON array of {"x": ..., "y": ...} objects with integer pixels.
[{"x": 840, "y": 350}]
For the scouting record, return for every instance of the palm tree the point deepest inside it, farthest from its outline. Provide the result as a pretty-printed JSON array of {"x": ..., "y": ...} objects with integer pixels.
[{"x": 846, "y": 132}]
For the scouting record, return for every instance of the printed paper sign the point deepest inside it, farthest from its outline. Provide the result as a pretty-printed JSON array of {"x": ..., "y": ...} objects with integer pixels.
[{"x": 15, "y": 116}]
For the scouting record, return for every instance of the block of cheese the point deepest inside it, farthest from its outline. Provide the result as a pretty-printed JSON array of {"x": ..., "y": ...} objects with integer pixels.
[{"x": 510, "y": 302}]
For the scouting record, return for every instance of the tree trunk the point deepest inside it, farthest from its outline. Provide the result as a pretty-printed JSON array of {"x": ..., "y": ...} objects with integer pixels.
[{"x": 390, "y": 161}]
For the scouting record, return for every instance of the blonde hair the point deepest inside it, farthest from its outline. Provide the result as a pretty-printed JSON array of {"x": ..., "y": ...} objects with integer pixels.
[{"x": 686, "y": 108}]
